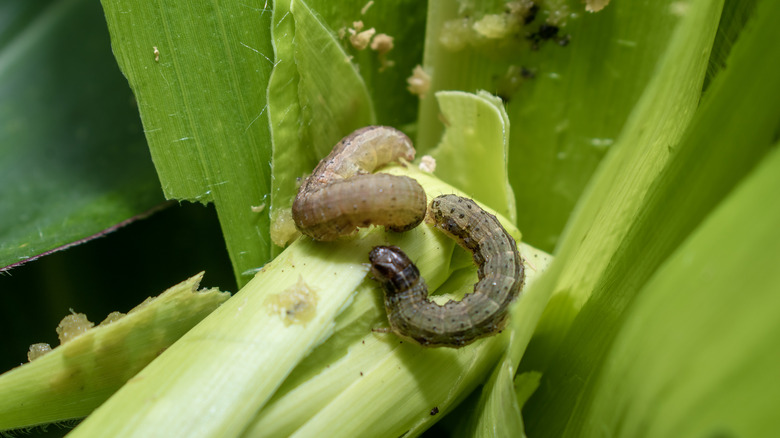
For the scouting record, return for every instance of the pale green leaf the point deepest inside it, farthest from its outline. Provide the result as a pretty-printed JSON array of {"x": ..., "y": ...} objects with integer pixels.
[
  {"x": 697, "y": 352},
  {"x": 715, "y": 153},
  {"x": 472, "y": 155},
  {"x": 384, "y": 76},
  {"x": 497, "y": 414},
  {"x": 497, "y": 410},
  {"x": 616, "y": 197},
  {"x": 333, "y": 97},
  {"x": 74, "y": 378}
]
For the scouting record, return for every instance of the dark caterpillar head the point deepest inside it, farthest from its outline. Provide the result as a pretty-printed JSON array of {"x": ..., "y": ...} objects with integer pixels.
[
  {"x": 392, "y": 267},
  {"x": 387, "y": 262}
]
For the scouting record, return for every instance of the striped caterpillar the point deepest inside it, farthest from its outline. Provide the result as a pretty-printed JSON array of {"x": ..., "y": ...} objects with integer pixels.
[
  {"x": 341, "y": 194},
  {"x": 456, "y": 323}
]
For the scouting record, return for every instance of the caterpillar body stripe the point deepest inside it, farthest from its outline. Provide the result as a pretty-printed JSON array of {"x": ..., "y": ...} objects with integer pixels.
[
  {"x": 341, "y": 194},
  {"x": 480, "y": 313}
]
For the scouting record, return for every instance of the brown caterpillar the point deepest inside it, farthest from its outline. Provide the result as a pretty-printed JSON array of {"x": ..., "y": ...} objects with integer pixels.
[
  {"x": 456, "y": 323},
  {"x": 341, "y": 194}
]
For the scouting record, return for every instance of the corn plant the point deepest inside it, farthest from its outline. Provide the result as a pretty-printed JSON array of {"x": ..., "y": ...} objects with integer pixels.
[{"x": 631, "y": 147}]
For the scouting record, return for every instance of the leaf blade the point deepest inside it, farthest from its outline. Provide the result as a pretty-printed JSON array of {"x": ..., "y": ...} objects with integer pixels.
[
  {"x": 711, "y": 159},
  {"x": 74, "y": 162},
  {"x": 714, "y": 377},
  {"x": 199, "y": 73},
  {"x": 74, "y": 378},
  {"x": 472, "y": 154}
]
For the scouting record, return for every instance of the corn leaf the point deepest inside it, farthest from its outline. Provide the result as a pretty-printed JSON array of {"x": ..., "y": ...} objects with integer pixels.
[
  {"x": 566, "y": 104},
  {"x": 620, "y": 188},
  {"x": 73, "y": 162},
  {"x": 710, "y": 159},
  {"x": 708, "y": 364},
  {"x": 481, "y": 136},
  {"x": 74, "y": 378},
  {"x": 199, "y": 72},
  {"x": 384, "y": 76}
]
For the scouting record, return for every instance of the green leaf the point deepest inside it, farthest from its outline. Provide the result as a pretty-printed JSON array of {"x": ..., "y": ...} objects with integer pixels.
[
  {"x": 498, "y": 414},
  {"x": 404, "y": 21},
  {"x": 736, "y": 13},
  {"x": 619, "y": 190},
  {"x": 715, "y": 153},
  {"x": 708, "y": 365},
  {"x": 334, "y": 100},
  {"x": 74, "y": 378},
  {"x": 567, "y": 105},
  {"x": 199, "y": 72},
  {"x": 73, "y": 159},
  {"x": 497, "y": 410},
  {"x": 473, "y": 155}
]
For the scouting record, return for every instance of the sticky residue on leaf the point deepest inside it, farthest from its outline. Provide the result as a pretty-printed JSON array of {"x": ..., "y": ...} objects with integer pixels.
[
  {"x": 557, "y": 12},
  {"x": 456, "y": 34},
  {"x": 519, "y": 24},
  {"x": 526, "y": 9},
  {"x": 112, "y": 317},
  {"x": 419, "y": 82},
  {"x": 496, "y": 26},
  {"x": 359, "y": 38},
  {"x": 295, "y": 305},
  {"x": 595, "y": 5},
  {"x": 427, "y": 164},
  {"x": 73, "y": 326},
  {"x": 38, "y": 350},
  {"x": 382, "y": 44},
  {"x": 283, "y": 229},
  {"x": 474, "y": 30}
]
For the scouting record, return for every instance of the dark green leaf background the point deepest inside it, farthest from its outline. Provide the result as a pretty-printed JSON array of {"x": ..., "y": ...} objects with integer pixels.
[{"x": 74, "y": 158}]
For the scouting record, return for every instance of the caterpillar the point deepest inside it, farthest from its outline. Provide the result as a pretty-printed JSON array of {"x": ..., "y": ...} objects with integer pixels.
[
  {"x": 456, "y": 323},
  {"x": 342, "y": 195}
]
